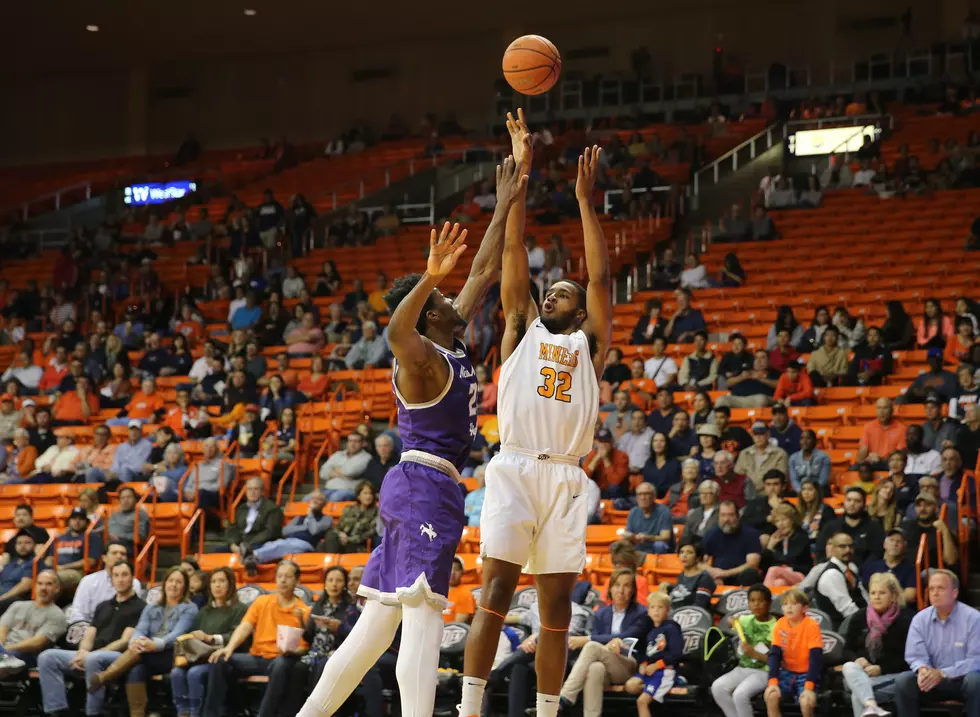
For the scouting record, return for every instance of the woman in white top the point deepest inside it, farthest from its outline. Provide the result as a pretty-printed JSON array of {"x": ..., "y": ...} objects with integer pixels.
[{"x": 695, "y": 274}]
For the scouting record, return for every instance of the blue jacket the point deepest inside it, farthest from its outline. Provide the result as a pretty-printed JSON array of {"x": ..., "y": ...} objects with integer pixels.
[
  {"x": 151, "y": 621},
  {"x": 636, "y": 623}
]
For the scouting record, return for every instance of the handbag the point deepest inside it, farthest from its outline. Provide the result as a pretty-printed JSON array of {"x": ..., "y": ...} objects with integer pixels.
[{"x": 191, "y": 651}]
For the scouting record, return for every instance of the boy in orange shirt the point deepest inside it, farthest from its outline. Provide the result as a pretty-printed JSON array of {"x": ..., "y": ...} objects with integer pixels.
[
  {"x": 796, "y": 656},
  {"x": 462, "y": 606},
  {"x": 794, "y": 386}
]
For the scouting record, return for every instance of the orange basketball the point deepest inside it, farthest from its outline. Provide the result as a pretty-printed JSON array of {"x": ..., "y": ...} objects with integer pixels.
[{"x": 531, "y": 65}]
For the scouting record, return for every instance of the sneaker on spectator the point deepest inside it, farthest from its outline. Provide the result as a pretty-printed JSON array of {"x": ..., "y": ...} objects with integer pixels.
[
  {"x": 251, "y": 566},
  {"x": 875, "y": 711},
  {"x": 9, "y": 665}
]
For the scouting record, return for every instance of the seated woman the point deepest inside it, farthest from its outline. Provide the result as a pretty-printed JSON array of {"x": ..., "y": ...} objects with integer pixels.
[
  {"x": 286, "y": 435},
  {"x": 814, "y": 513},
  {"x": 356, "y": 527},
  {"x": 661, "y": 470},
  {"x": 694, "y": 585},
  {"x": 151, "y": 649},
  {"x": 314, "y": 384},
  {"x": 277, "y": 397},
  {"x": 787, "y": 549},
  {"x": 213, "y": 624},
  {"x": 331, "y": 620},
  {"x": 605, "y": 658},
  {"x": 883, "y": 505},
  {"x": 701, "y": 410},
  {"x": 683, "y": 496},
  {"x": 119, "y": 390},
  {"x": 624, "y": 556},
  {"x": 875, "y": 641},
  {"x": 166, "y": 477},
  {"x": 709, "y": 440}
]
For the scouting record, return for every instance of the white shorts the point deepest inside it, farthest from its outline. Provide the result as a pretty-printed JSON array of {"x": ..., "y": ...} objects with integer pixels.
[{"x": 535, "y": 513}]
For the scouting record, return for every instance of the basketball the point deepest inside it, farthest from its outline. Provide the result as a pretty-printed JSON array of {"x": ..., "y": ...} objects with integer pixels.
[{"x": 532, "y": 65}]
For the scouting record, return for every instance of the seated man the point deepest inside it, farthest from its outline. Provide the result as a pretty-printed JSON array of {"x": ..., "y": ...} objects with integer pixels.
[
  {"x": 927, "y": 523},
  {"x": 344, "y": 469},
  {"x": 608, "y": 466},
  {"x": 213, "y": 473},
  {"x": 835, "y": 586},
  {"x": 146, "y": 406},
  {"x": 69, "y": 547},
  {"x": 881, "y": 437},
  {"x": 301, "y": 535},
  {"x": 57, "y": 464},
  {"x": 796, "y": 657},
  {"x": 15, "y": 578},
  {"x": 752, "y": 389},
  {"x": 735, "y": 549},
  {"x": 784, "y": 431},
  {"x": 106, "y": 637},
  {"x": 758, "y": 510},
  {"x": 761, "y": 457},
  {"x": 896, "y": 562},
  {"x": 649, "y": 525},
  {"x": 128, "y": 461},
  {"x": 123, "y": 523},
  {"x": 96, "y": 588},
  {"x": 95, "y": 461},
  {"x": 258, "y": 520},
  {"x": 23, "y": 521},
  {"x": 794, "y": 387},
  {"x": 867, "y": 533},
  {"x": 261, "y": 623},
  {"x": 942, "y": 650},
  {"x": 31, "y": 626}
]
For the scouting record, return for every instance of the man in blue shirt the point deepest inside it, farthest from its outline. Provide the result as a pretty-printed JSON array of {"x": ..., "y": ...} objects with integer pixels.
[
  {"x": 686, "y": 321},
  {"x": 943, "y": 652},
  {"x": 247, "y": 316},
  {"x": 649, "y": 525},
  {"x": 784, "y": 431},
  {"x": 895, "y": 562},
  {"x": 734, "y": 548},
  {"x": 17, "y": 574}
]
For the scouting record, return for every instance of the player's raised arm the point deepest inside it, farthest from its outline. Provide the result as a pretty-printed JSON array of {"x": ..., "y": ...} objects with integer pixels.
[
  {"x": 598, "y": 298},
  {"x": 510, "y": 184},
  {"x": 414, "y": 352}
]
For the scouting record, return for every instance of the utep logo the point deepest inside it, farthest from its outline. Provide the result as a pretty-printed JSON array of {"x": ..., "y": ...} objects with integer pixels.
[
  {"x": 829, "y": 643},
  {"x": 737, "y": 601},
  {"x": 692, "y": 641},
  {"x": 687, "y": 618},
  {"x": 452, "y": 635}
]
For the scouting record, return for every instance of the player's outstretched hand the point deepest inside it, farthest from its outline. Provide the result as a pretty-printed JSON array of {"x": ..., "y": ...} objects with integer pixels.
[
  {"x": 588, "y": 167},
  {"x": 520, "y": 140},
  {"x": 445, "y": 249},
  {"x": 510, "y": 183}
]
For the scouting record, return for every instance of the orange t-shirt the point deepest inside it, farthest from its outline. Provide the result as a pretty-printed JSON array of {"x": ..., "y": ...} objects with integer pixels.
[
  {"x": 265, "y": 616},
  {"x": 796, "y": 642},
  {"x": 955, "y": 352},
  {"x": 883, "y": 440},
  {"x": 461, "y": 602},
  {"x": 143, "y": 406},
  {"x": 69, "y": 407},
  {"x": 192, "y": 331}
]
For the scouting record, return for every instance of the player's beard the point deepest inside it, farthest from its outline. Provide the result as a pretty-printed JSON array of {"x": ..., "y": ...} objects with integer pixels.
[{"x": 558, "y": 324}]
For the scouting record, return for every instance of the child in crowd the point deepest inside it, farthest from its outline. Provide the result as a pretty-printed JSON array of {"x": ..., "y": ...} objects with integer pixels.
[
  {"x": 796, "y": 656},
  {"x": 664, "y": 648},
  {"x": 733, "y": 691}
]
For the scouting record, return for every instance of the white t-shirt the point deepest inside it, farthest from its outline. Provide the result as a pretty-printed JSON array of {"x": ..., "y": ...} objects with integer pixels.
[
  {"x": 660, "y": 369},
  {"x": 535, "y": 259},
  {"x": 863, "y": 177}
]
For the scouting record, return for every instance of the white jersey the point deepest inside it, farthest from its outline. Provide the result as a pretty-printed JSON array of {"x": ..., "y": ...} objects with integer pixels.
[{"x": 548, "y": 397}]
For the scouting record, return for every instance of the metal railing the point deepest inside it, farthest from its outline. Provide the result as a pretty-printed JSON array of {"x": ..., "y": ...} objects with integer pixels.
[
  {"x": 607, "y": 204},
  {"x": 731, "y": 156}
]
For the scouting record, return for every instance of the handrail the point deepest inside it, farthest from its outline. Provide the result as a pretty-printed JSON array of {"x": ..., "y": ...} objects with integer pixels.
[
  {"x": 185, "y": 536},
  {"x": 943, "y": 513},
  {"x": 607, "y": 205},
  {"x": 36, "y": 562},
  {"x": 963, "y": 517},
  {"x": 282, "y": 482},
  {"x": 88, "y": 536},
  {"x": 921, "y": 565},
  {"x": 144, "y": 555},
  {"x": 56, "y": 195},
  {"x": 821, "y": 121},
  {"x": 715, "y": 165},
  {"x": 316, "y": 463},
  {"x": 180, "y": 487}
]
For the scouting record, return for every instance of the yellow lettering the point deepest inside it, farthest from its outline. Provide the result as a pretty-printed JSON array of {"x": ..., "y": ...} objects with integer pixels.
[{"x": 543, "y": 352}]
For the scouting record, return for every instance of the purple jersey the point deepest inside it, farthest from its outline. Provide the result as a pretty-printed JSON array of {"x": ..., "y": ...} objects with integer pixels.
[{"x": 445, "y": 426}]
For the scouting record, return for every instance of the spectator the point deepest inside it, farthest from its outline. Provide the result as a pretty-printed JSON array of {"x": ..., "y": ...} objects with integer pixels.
[
  {"x": 968, "y": 391},
  {"x": 212, "y": 473},
  {"x": 968, "y": 440},
  {"x": 639, "y": 387},
  {"x": 785, "y": 320},
  {"x": 10, "y": 418},
  {"x": 473, "y": 504},
  {"x": 20, "y": 458},
  {"x": 702, "y": 413},
  {"x": 306, "y": 339},
  {"x": 683, "y": 496},
  {"x": 866, "y": 533},
  {"x": 942, "y": 651},
  {"x": 129, "y": 518},
  {"x": 694, "y": 585},
  {"x": 814, "y": 513},
  {"x": 614, "y": 373},
  {"x": 488, "y": 390},
  {"x": 938, "y": 432},
  {"x": 763, "y": 228},
  {"x": 835, "y": 586},
  {"x": 314, "y": 384},
  {"x": 735, "y": 487},
  {"x": 385, "y": 458},
  {"x": 734, "y": 548},
  {"x": 661, "y": 470},
  {"x": 905, "y": 487},
  {"x": 683, "y": 439},
  {"x": 71, "y": 550},
  {"x": 109, "y": 631},
  {"x": 636, "y": 442},
  {"x": 96, "y": 588},
  {"x": 343, "y": 470},
  {"x": 56, "y": 464},
  {"x": 733, "y": 692},
  {"x": 958, "y": 345},
  {"x": 794, "y": 387},
  {"x": 709, "y": 443},
  {"x": 783, "y": 353},
  {"x": 300, "y": 535},
  {"x": 256, "y": 366},
  {"x": 24, "y": 521},
  {"x": 293, "y": 284},
  {"x": 896, "y": 562},
  {"x": 758, "y": 510},
  {"x": 795, "y": 658},
  {"x": 186, "y": 420},
  {"x": 30, "y": 627},
  {"x": 356, "y": 529},
  {"x": 754, "y": 462},
  {"x": 898, "y": 332},
  {"x": 928, "y": 523},
  {"x": 651, "y": 325},
  {"x": 661, "y": 418},
  {"x": 370, "y": 351},
  {"x": 787, "y": 549},
  {"x": 261, "y": 622},
  {"x": 258, "y": 520},
  {"x": 664, "y": 649},
  {"x": 735, "y": 227},
  {"x": 695, "y": 274},
  {"x": 784, "y": 431},
  {"x": 166, "y": 476},
  {"x": 271, "y": 218},
  {"x": 732, "y": 274},
  {"x": 883, "y": 505},
  {"x": 753, "y": 389},
  {"x": 248, "y": 431},
  {"x": 702, "y": 519},
  {"x": 737, "y": 362},
  {"x": 934, "y": 328},
  {"x": 147, "y": 406},
  {"x": 55, "y": 370},
  {"x": 809, "y": 463},
  {"x": 937, "y": 381},
  {"x": 699, "y": 370},
  {"x": 827, "y": 365},
  {"x": 24, "y": 371},
  {"x": 734, "y": 439},
  {"x": 461, "y": 606},
  {"x": 686, "y": 321},
  {"x": 649, "y": 524},
  {"x": 660, "y": 368},
  {"x": 607, "y": 466},
  {"x": 17, "y": 571},
  {"x": 42, "y": 435},
  {"x": 881, "y": 436},
  {"x": 277, "y": 398},
  {"x": 920, "y": 460}
]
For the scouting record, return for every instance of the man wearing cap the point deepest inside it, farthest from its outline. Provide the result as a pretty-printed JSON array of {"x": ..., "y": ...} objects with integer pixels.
[
  {"x": 344, "y": 469},
  {"x": 827, "y": 365},
  {"x": 936, "y": 381},
  {"x": 608, "y": 466},
  {"x": 69, "y": 547},
  {"x": 95, "y": 460},
  {"x": 25, "y": 372},
  {"x": 920, "y": 460},
  {"x": 30, "y": 626},
  {"x": 635, "y": 442},
  {"x": 881, "y": 437},
  {"x": 938, "y": 432},
  {"x": 794, "y": 387},
  {"x": 927, "y": 523},
  {"x": 835, "y": 584},
  {"x": 784, "y": 431},
  {"x": 15, "y": 577},
  {"x": 130, "y": 329},
  {"x": 127, "y": 464},
  {"x": 866, "y": 532},
  {"x": 761, "y": 457},
  {"x": 57, "y": 464},
  {"x": 649, "y": 525},
  {"x": 10, "y": 417},
  {"x": 896, "y": 562}
]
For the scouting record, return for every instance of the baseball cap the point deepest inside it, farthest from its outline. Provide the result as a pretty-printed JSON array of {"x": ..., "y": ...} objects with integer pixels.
[
  {"x": 604, "y": 434},
  {"x": 895, "y": 531},
  {"x": 28, "y": 402},
  {"x": 459, "y": 561},
  {"x": 928, "y": 497},
  {"x": 933, "y": 398},
  {"x": 6, "y": 397},
  {"x": 934, "y": 353},
  {"x": 760, "y": 427},
  {"x": 779, "y": 408},
  {"x": 78, "y": 513},
  {"x": 135, "y": 424},
  {"x": 252, "y": 408},
  {"x": 795, "y": 363}
]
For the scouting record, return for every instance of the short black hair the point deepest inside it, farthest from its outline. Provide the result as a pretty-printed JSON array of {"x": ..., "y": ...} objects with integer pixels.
[
  {"x": 774, "y": 473},
  {"x": 856, "y": 489},
  {"x": 401, "y": 288},
  {"x": 724, "y": 409},
  {"x": 126, "y": 562},
  {"x": 582, "y": 304},
  {"x": 121, "y": 544},
  {"x": 765, "y": 592},
  {"x": 701, "y": 333},
  {"x": 24, "y": 506}
]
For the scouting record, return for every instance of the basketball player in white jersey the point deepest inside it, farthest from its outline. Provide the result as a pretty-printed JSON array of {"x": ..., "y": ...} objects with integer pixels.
[{"x": 535, "y": 511}]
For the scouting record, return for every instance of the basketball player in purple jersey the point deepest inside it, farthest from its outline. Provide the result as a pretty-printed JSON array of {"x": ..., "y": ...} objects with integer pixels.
[{"x": 407, "y": 577}]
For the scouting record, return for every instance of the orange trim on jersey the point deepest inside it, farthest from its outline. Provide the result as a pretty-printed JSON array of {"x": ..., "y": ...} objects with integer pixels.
[{"x": 486, "y": 609}]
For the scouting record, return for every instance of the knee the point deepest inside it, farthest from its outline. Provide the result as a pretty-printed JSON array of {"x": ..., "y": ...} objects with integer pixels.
[
  {"x": 589, "y": 651},
  {"x": 498, "y": 592},
  {"x": 644, "y": 699},
  {"x": 718, "y": 689},
  {"x": 906, "y": 683},
  {"x": 773, "y": 699},
  {"x": 971, "y": 683},
  {"x": 281, "y": 666},
  {"x": 597, "y": 672},
  {"x": 634, "y": 686}
]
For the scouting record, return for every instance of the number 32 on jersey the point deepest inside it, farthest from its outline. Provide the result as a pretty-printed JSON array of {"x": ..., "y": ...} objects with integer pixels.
[{"x": 557, "y": 385}]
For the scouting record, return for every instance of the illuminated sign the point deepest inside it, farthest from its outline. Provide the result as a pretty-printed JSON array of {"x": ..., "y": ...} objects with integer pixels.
[
  {"x": 158, "y": 193},
  {"x": 830, "y": 140}
]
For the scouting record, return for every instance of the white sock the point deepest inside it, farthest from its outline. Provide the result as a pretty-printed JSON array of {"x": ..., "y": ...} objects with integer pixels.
[
  {"x": 472, "y": 702},
  {"x": 371, "y": 636},
  {"x": 417, "y": 669},
  {"x": 547, "y": 705}
]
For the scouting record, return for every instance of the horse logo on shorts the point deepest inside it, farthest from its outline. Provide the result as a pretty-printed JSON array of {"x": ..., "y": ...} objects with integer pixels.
[{"x": 426, "y": 530}]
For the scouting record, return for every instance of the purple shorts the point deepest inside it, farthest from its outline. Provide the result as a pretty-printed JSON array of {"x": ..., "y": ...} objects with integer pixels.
[{"x": 422, "y": 510}]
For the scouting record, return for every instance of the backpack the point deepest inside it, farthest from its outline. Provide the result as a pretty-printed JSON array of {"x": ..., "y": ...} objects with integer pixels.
[{"x": 719, "y": 658}]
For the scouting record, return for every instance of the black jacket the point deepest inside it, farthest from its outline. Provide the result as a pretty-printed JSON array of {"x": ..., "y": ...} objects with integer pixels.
[
  {"x": 796, "y": 553},
  {"x": 892, "y": 658},
  {"x": 868, "y": 537}
]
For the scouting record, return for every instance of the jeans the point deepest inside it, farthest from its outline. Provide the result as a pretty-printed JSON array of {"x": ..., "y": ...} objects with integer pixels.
[
  {"x": 123, "y": 421},
  {"x": 187, "y": 685},
  {"x": 658, "y": 547},
  {"x": 245, "y": 664},
  {"x": 29, "y": 658},
  {"x": 275, "y": 550},
  {"x": 338, "y": 496},
  {"x": 94, "y": 475},
  {"x": 152, "y": 663},
  {"x": 908, "y": 697},
  {"x": 733, "y": 691},
  {"x": 96, "y": 662},
  {"x": 52, "y": 667},
  {"x": 864, "y": 689}
]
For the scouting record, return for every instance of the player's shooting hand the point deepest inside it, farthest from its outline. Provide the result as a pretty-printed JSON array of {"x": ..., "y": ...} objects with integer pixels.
[
  {"x": 588, "y": 167},
  {"x": 520, "y": 141},
  {"x": 511, "y": 183},
  {"x": 445, "y": 249}
]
